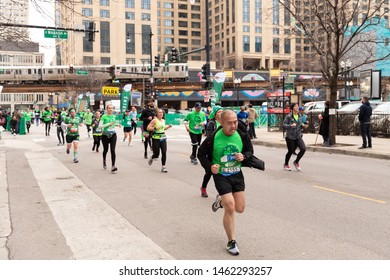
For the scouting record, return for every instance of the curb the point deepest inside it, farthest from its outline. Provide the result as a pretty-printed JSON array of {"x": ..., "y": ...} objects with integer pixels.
[{"x": 328, "y": 150}]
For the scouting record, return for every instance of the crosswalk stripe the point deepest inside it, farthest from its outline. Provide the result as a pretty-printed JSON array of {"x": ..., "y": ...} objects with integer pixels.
[{"x": 91, "y": 227}]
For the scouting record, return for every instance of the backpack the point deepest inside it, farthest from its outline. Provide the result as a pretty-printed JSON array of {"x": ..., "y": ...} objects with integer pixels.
[{"x": 242, "y": 127}]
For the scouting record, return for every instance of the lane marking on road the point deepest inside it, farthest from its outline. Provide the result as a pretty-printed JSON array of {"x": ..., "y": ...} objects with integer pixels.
[
  {"x": 351, "y": 194},
  {"x": 93, "y": 229}
]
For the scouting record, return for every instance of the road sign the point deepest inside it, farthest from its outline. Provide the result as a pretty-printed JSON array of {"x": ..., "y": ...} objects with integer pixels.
[
  {"x": 56, "y": 34},
  {"x": 82, "y": 72},
  {"x": 110, "y": 91}
]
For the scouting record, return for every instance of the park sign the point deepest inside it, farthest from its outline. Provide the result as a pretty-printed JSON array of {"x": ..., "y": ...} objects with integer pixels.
[
  {"x": 56, "y": 34},
  {"x": 110, "y": 91}
]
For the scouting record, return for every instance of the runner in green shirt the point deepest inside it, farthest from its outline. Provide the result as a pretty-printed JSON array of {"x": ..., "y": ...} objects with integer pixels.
[
  {"x": 46, "y": 116},
  {"x": 109, "y": 138},
  {"x": 27, "y": 117},
  {"x": 88, "y": 120},
  {"x": 194, "y": 123},
  {"x": 72, "y": 133},
  {"x": 127, "y": 127}
]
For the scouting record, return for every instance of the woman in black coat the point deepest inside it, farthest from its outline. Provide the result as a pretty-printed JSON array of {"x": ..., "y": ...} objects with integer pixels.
[{"x": 324, "y": 127}]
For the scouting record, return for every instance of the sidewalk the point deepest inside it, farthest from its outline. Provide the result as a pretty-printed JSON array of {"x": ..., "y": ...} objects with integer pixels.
[{"x": 347, "y": 145}]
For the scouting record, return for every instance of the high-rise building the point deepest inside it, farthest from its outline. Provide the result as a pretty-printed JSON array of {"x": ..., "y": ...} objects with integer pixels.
[
  {"x": 124, "y": 30},
  {"x": 14, "y": 11}
]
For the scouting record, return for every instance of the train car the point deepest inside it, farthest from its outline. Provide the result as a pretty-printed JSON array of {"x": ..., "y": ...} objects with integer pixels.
[
  {"x": 173, "y": 72},
  {"x": 20, "y": 74}
]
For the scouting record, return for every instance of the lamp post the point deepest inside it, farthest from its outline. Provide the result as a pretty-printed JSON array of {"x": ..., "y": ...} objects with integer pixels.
[
  {"x": 349, "y": 88},
  {"x": 345, "y": 66},
  {"x": 237, "y": 83}
]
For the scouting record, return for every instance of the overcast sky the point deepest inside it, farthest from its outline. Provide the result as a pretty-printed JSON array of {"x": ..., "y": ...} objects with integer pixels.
[{"x": 43, "y": 15}]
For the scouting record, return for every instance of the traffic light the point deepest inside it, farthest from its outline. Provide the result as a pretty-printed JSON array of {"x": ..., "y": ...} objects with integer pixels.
[
  {"x": 174, "y": 55},
  {"x": 204, "y": 72},
  {"x": 70, "y": 70},
  {"x": 157, "y": 60},
  {"x": 112, "y": 71},
  {"x": 91, "y": 33}
]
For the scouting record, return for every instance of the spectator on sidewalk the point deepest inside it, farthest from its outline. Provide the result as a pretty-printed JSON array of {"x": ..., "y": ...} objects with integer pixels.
[
  {"x": 365, "y": 122},
  {"x": 252, "y": 116},
  {"x": 324, "y": 126}
]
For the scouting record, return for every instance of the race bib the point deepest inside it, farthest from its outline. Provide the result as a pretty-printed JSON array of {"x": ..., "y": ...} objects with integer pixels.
[
  {"x": 73, "y": 129},
  {"x": 197, "y": 127}
]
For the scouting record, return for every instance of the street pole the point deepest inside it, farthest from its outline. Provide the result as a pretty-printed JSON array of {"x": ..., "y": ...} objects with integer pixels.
[
  {"x": 238, "y": 97},
  {"x": 207, "y": 40},
  {"x": 151, "y": 53}
]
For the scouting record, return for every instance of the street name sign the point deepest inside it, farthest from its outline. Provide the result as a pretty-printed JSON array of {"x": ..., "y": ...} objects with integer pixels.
[
  {"x": 82, "y": 72},
  {"x": 56, "y": 34}
]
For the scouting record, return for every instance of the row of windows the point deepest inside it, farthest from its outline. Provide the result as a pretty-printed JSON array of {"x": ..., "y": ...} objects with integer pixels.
[
  {"x": 181, "y": 32},
  {"x": 21, "y": 97},
  {"x": 145, "y": 4},
  {"x": 17, "y": 59}
]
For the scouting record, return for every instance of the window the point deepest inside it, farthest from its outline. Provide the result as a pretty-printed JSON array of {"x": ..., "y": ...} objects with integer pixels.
[
  {"x": 104, "y": 2},
  {"x": 258, "y": 11},
  {"x": 183, "y": 33},
  {"x": 246, "y": 28},
  {"x": 129, "y": 15},
  {"x": 168, "y": 40},
  {"x": 87, "y": 2},
  {"x": 168, "y": 32},
  {"x": 145, "y": 4},
  {"x": 168, "y": 22},
  {"x": 195, "y": 16},
  {"x": 87, "y": 59},
  {"x": 168, "y": 5},
  {"x": 87, "y": 46},
  {"x": 183, "y": 24},
  {"x": 130, "y": 39},
  {"x": 258, "y": 44},
  {"x": 183, "y": 7},
  {"x": 105, "y": 60},
  {"x": 195, "y": 33},
  {"x": 275, "y": 45},
  {"x": 104, "y": 37},
  {"x": 145, "y": 17},
  {"x": 195, "y": 24},
  {"x": 275, "y": 12},
  {"x": 168, "y": 14},
  {"x": 195, "y": 42},
  {"x": 258, "y": 30},
  {"x": 246, "y": 43},
  {"x": 287, "y": 45},
  {"x": 87, "y": 12},
  {"x": 246, "y": 11},
  {"x": 145, "y": 39},
  {"x": 130, "y": 60},
  {"x": 183, "y": 41},
  {"x": 129, "y": 4},
  {"x": 105, "y": 13},
  {"x": 183, "y": 15}
]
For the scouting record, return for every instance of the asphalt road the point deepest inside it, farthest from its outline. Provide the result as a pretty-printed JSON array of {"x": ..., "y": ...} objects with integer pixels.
[{"x": 335, "y": 208}]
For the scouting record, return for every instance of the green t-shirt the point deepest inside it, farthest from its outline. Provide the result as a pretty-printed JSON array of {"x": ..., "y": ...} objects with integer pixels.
[
  {"x": 88, "y": 118},
  {"x": 46, "y": 115},
  {"x": 27, "y": 116},
  {"x": 194, "y": 121},
  {"x": 224, "y": 151},
  {"x": 126, "y": 122},
  {"x": 105, "y": 119},
  {"x": 74, "y": 129}
]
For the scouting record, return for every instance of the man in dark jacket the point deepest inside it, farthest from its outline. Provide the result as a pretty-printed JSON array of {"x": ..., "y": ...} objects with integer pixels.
[
  {"x": 365, "y": 122},
  {"x": 147, "y": 115},
  {"x": 223, "y": 154}
]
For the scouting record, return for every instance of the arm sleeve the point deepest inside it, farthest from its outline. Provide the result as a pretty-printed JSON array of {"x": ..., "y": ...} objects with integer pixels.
[{"x": 203, "y": 152}]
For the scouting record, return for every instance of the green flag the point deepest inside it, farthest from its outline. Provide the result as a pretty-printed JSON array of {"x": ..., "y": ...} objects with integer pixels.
[
  {"x": 216, "y": 91},
  {"x": 125, "y": 98}
]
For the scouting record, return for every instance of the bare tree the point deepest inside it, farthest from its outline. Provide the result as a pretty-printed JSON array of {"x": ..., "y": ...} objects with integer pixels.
[{"x": 337, "y": 30}]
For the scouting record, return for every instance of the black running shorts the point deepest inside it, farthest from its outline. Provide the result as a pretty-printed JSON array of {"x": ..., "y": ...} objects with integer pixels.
[
  {"x": 71, "y": 138},
  {"x": 127, "y": 129},
  {"x": 229, "y": 184}
]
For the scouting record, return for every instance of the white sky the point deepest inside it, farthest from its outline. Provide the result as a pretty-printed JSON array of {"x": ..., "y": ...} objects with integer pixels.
[{"x": 43, "y": 17}]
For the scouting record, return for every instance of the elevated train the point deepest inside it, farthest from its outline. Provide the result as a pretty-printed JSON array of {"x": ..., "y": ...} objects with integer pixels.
[{"x": 176, "y": 72}]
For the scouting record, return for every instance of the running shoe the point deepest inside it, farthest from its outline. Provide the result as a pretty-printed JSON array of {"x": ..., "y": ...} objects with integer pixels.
[
  {"x": 104, "y": 165},
  {"x": 217, "y": 203},
  {"x": 113, "y": 169},
  {"x": 286, "y": 167},
  {"x": 297, "y": 166},
  {"x": 124, "y": 139},
  {"x": 150, "y": 161},
  {"x": 195, "y": 161},
  {"x": 232, "y": 248},
  {"x": 192, "y": 158},
  {"x": 164, "y": 169},
  {"x": 68, "y": 151},
  {"x": 145, "y": 155},
  {"x": 203, "y": 192},
  {"x": 75, "y": 160}
]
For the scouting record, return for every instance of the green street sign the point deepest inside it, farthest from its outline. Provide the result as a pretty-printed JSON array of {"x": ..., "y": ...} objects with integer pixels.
[
  {"x": 82, "y": 72},
  {"x": 56, "y": 34}
]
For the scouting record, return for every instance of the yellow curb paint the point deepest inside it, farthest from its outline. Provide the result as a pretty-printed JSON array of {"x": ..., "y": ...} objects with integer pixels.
[{"x": 350, "y": 194}]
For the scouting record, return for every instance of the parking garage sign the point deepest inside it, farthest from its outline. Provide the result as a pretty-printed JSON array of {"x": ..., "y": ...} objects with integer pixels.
[{"x": 110, "y": 91}]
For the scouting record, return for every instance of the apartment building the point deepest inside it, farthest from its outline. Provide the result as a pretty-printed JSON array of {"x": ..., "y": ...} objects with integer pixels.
[{"x": 128, "y": 30}]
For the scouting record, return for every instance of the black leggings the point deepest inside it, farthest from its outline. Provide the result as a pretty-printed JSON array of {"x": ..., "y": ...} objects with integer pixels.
[
  {"x": 206, "y": 179},
  {"x": 60, "y": 132},
  {"x": 112, "y": 142},
  {"x": 157, "y": 145},
  {"x": 148, "y": 141},
  {"x": 291, "y": 146},
  {"x": 96, "y": 141},
  {"x": 47, "y": 127}
]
